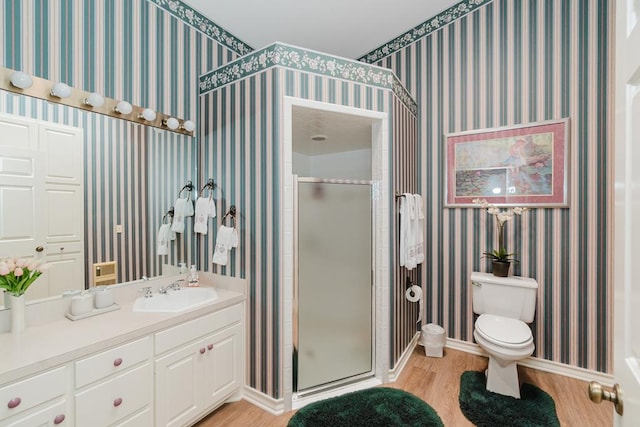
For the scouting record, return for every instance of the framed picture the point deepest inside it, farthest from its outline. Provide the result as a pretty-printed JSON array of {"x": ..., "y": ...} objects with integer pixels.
[{"x": 524, "y": 165}]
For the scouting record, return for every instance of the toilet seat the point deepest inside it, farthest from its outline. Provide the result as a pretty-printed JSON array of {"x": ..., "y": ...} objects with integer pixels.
[{"x": 503, "y": 331}]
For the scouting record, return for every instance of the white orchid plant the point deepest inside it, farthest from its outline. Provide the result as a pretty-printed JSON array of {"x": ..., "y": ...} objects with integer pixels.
[
  {"x": 502, "y": 216},
  {"x": 17, "y": 274}
]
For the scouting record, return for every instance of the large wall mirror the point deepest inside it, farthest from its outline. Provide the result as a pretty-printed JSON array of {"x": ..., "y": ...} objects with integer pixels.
[{"x": 131, "y": 175}]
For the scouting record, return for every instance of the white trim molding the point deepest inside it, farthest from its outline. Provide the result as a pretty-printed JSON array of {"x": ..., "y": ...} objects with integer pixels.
[{"x": 540, "y": 364}]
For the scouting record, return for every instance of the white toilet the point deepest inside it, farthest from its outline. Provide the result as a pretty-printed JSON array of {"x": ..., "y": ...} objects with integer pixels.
[{"x": 505, "y": 306}]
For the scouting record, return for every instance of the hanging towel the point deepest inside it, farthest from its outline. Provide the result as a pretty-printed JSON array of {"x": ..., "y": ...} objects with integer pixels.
[
  {"x": 419, "y": 228},
  {"x": 226, "y": 240},
  {"x": 212, "y": 207},
  {"x": 178, "y": 215},
  {"x": 406, "y": 255},
  {"x": 201, "y": 220},
  {"x": 188, "y": 206},
  {"x": 163, "y": 238}
]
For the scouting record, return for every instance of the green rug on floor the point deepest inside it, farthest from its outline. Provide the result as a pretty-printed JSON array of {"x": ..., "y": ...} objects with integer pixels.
[
  {"x": 374, "y": 407},
  {"x": 535, "y": 408}
]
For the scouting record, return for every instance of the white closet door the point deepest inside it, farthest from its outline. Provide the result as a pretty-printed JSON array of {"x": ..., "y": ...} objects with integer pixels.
[
  {"x": 62, "y": 149},
  {"x": 21, "y": 190}
]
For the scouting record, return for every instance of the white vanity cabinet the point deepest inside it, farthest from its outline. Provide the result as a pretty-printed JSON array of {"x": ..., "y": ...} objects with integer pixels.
[
  {"x": 198, "y": 365},
  {"x": 116, "y": 386},
  {"x": 39, "y": 400}
]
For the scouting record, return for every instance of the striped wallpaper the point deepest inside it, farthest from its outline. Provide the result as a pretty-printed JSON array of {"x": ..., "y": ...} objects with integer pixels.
[
  {"x": 241, "y": 152},
  {"x": 405, "y": 174},
  {"x": 124, "y": 49},
  {"x": 512, "y": 62}
]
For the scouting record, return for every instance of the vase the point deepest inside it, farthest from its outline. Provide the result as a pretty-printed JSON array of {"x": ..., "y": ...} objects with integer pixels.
[
  {"x": 18, "y": 321},
  {"x": 500, "y": 268}
]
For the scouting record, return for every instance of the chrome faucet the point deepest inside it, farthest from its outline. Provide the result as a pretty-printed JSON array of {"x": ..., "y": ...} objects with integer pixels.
[
  {"x": 174, "y": 286},
  {"x": 147, "y": 291}
]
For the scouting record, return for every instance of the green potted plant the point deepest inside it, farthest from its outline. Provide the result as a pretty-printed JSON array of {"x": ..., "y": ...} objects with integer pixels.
[
  {"x": 16, "y": 275},
  {"x": 501, "y": 259}
]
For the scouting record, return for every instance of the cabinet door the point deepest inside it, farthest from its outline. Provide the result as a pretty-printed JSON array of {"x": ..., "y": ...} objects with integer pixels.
[
  {"x": 223, "y": 365},
  {"x": 179, "y": 385}
]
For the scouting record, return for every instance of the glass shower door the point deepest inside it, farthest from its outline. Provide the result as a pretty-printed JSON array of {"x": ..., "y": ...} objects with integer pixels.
[{"x": 334, "y": 286}]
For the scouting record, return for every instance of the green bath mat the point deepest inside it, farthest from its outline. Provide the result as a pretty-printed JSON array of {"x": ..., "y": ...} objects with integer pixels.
[
  {"x": 374, "y": 407},
  {"x": 535, "y": 408}
]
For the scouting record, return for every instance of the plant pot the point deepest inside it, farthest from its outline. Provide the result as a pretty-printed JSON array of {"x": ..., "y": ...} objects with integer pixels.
[{"x": 500, "y": 268}]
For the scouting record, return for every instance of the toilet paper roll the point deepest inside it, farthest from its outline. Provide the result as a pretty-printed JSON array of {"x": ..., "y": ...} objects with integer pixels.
[{"x": 414, "y": 294}]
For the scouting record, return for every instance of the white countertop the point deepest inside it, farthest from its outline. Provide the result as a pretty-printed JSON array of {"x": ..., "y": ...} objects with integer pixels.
[{"x": 60, "y": 341}]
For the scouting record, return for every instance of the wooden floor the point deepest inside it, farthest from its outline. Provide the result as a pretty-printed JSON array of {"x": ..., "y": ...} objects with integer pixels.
[{"x": 437, "y": 382}]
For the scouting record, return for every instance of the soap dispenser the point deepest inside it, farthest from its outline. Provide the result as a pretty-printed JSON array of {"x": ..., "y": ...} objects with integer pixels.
[{"x": 193, "y": 277}]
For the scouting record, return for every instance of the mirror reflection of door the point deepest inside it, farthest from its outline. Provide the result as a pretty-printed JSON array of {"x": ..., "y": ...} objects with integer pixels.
[{"x": 42, "y": 200}]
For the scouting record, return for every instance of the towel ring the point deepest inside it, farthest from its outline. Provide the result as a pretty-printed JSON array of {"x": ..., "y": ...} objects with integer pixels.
[
  {"x": 211, "y": 185},
  {"x": 189, "y": 187},
  {"x": 231, "y": 212},
  {"x": 169, "y": 214}
]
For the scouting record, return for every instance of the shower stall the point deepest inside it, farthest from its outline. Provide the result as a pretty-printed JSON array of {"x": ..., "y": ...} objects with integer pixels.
[{"x": 333, "y": 291}]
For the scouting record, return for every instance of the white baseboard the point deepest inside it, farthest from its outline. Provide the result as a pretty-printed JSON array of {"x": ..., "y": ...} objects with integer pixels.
[
  {"x": 397, "y": 370},
  {"x": 263, "y": 401},
  {"x": 540, "y": 364}
]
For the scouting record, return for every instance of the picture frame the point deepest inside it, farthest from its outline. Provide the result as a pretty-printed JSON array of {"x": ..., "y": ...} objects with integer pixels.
[{"x": 523, "y": 165}]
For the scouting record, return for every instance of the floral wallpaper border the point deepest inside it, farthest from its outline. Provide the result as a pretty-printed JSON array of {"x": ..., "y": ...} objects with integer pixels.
[
  {"x": 434, "y": 24},
  {"x": 200, "y": 22},
  {"x": 295, "y": 58}
]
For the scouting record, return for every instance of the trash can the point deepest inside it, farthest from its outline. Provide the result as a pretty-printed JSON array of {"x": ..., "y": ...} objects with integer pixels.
[{"x": 433, "y": 340}]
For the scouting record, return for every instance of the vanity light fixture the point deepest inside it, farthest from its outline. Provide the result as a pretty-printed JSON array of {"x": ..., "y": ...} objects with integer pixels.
[
  {"x": 123, "y": 107},
  {"x": 94, "y": 99},
  {"x": 189, "y": 126},
  {"x": 61, "y": 90},
  {"x": 148, "y": 114},
  {"x": 21, "y": 80},
  {"x": 172, "y": 123}
]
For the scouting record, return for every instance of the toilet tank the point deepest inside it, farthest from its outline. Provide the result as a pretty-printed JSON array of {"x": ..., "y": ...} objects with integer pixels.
[{"x": 513, "y": 296}]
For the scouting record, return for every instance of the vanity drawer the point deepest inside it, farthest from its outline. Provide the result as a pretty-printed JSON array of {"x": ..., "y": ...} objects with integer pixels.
[
  {"x": 115, "y": 398},
  {"x": 112, "y": 361},
  {"x": 182, "y": 334},
  {"x": 22, "y": 395}
]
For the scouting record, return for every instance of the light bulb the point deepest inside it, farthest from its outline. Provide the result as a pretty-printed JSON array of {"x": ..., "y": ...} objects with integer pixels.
[
  {"x": 95, "y": 100},
  {"x": 148, "y": 114},
  {"x": 61, "y": 90},
  {"x": 21, "y": 80},
  {"x": 123, "y": 107},
  {"x": 189, "y": 126},
  {"x": 172, "y": 123}
]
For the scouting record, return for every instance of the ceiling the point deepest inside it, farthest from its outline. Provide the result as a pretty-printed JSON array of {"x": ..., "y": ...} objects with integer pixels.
[
  {"x": 343, "y": 132},
  {"x": 346, "y": 28}
]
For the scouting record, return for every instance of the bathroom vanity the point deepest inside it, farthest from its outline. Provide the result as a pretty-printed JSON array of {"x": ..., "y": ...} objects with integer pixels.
[{"x": 123, "y": 367}]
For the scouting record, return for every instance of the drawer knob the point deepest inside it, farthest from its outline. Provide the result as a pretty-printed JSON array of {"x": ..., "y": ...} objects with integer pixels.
[
  {"x": 210, "y": 346},
  {"x": 14, "y": 402},
  {"x": 202, "y": 350},
  {"x": 117, "y": 402},
  {"x": 117, "y": 362},
  {"x": 59, "y": 419}
]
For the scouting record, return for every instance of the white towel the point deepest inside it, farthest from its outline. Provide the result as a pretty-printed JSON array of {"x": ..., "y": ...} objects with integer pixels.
[
  {"x": 405, "y": 230},
  {"x": 178, "y": 216},
  {"x": 188, "y": 207},
  {"x": 164, "y": 236},
  {"x": 201, "y": 220},
  {"x": 226, "y": 240},
  {"x": 419, "y": 228},
  {"x": 212, "y": 208}
]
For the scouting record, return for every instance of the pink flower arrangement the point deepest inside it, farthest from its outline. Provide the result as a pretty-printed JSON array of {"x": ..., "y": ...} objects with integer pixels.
[{"x": 16, "y": 275}]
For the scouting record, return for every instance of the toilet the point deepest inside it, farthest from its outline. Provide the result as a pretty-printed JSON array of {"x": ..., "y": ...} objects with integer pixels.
[{"x": 505, "y": 306}]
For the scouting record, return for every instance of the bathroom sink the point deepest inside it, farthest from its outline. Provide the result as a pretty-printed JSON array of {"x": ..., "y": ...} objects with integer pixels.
[{"x": 175, "y": 301}]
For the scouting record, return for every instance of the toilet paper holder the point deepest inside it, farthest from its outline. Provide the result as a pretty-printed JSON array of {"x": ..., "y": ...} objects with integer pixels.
[{"x": 409, "y": 283}]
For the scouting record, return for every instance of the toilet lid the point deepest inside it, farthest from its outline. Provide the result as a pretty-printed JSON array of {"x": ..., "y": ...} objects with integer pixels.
[{"x": 503, "y": 329}]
